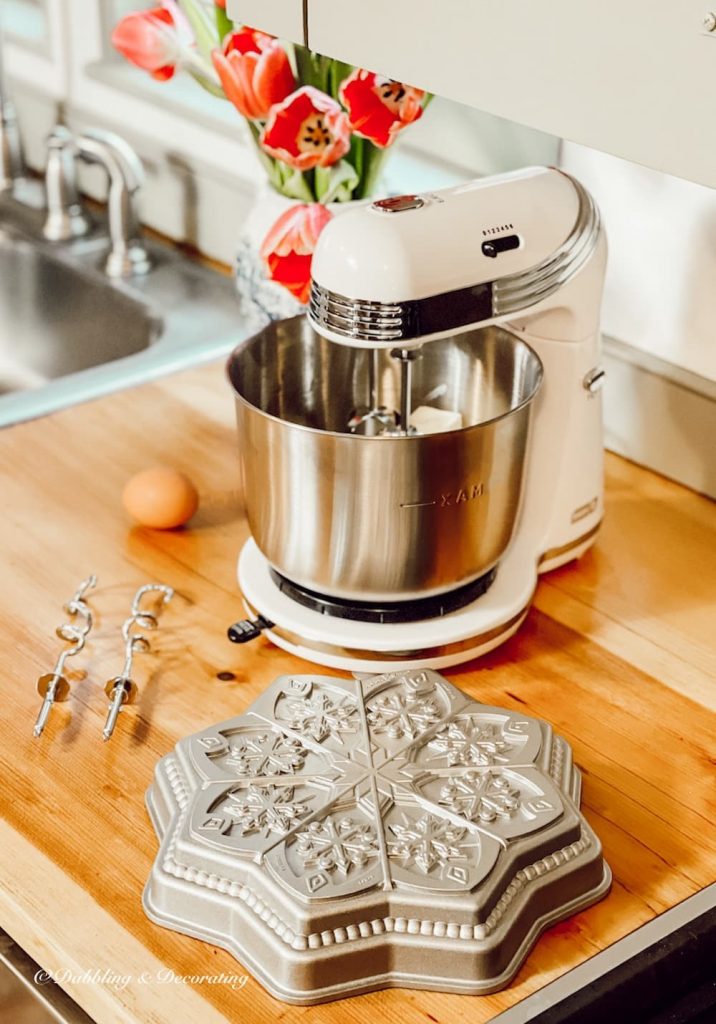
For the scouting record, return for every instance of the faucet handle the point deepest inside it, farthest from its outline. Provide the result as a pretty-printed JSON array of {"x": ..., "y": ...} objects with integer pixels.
[
  {"x": 107, "y": 147},
  {"x": 65, "y": 217},
  {"x": 128, "y": 256}
]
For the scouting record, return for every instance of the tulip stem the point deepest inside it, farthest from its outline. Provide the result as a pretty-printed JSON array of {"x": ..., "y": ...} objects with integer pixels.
[
  {"x": 338, "y": 73},
  {"x": 313, "y": 69},
  {"x": 202, "y": 72},
  {"x": 204, "y": 27},
  {"x": 270, "y": 165},
  {"x": 224, "y": 24}
]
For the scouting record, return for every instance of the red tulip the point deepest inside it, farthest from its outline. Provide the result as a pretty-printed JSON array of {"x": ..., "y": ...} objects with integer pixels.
[
  {"x": 254, "y": 71},
  {"x": 288, "y": 248},
  {"x": 307, "y": 130},
  {"x": 153, "y": 40},
  {"x": 379, "y": 108}
]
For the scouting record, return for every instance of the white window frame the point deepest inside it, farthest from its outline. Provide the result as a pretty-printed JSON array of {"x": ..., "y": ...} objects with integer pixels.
[
  {"x": 102, "y": 84},
  {"x": 182, "y": 134},
  {"x": 38, "y": 60}
]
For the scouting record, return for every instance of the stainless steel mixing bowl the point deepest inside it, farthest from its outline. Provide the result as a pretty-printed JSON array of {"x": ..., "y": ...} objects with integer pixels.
[{"x": 387, "y": 518}]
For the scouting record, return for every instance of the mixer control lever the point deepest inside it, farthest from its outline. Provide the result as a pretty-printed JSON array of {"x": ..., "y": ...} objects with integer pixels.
[
  {"x": 495, "y": 246},
  {"x": 248, "y": 629}
]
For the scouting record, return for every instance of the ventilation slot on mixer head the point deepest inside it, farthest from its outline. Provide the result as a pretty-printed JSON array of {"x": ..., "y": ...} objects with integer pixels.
[{"x": 355, "y": 318}]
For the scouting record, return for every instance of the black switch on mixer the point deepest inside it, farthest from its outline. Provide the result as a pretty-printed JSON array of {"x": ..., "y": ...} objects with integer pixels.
[{"x": 495, "y": 246}]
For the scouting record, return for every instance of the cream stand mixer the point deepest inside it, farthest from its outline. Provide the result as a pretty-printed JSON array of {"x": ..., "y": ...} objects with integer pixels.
[{"x": 377, "y": 545}]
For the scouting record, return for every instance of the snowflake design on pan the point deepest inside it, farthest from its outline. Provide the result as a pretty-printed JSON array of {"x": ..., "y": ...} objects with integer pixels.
[
  {"x": 266, "y": 754},
  {"x": 480, "y": 796},
  {"x": 427, "y": 842},
  {"x": 374, "y": 851},
  {"x": 318, "y": 716},
  {"x": 337, "y": 844},
  {"x": 265, "y": 809},
  {"x": 403, "y": 712},
  {"x": 468, "y": 743}
]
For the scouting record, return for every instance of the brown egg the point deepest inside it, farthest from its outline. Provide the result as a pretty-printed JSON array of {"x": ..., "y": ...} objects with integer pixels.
[{"x": 160, "y": 497}]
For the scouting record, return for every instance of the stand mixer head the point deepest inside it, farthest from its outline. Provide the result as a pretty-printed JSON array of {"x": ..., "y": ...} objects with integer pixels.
[
  {"x": 403, "y": 271},
  {"x": 465, "y": 299},
  {"x": 407, "y": 270}
]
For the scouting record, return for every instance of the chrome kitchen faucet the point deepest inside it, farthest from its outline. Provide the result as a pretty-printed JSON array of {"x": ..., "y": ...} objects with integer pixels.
[{"x": 65, "y": 217}]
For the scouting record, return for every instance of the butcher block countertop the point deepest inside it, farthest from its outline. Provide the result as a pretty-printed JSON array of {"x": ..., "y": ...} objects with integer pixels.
[{"x": 618, "y": 653}]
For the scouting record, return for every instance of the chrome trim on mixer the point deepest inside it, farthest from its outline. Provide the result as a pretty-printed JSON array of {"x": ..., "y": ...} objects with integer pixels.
[
  {"x": 353, "y": 318},
  {"x": 504, "y": 630},
  {"x": 385, "y": 322},
  {"x": 519, "y": 291}
]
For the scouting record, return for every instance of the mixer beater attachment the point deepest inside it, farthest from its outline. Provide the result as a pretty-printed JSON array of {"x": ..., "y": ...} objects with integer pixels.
[
  {"x": 375, "y": 418},
  {"x": 53, "y": 686},
  {"x": 406, "y": 357}
]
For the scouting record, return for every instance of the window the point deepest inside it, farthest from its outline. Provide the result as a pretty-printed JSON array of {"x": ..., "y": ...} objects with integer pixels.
[{"x": 26, "y": 20}]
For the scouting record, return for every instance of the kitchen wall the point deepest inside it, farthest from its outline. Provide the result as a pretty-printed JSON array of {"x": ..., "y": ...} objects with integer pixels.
[
  {"x": 661, "y": 286},
  {"x": 659, "y": 315}
]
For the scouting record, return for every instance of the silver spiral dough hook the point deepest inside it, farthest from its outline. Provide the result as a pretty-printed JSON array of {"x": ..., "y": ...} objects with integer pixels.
[
  {"x": 121, "y": 689},
  {"x": 53, "y": 686}
]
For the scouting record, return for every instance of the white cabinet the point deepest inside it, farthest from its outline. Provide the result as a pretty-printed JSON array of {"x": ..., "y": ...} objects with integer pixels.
[
  {"x": 282, "y": 18},
  {"x": 636, "y": 79}
]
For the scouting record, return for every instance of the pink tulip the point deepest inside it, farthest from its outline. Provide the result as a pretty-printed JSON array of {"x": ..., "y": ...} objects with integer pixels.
[
  {"x": 153, "y": 39},
  {"x": 307, "y": 130},
  {"x": 254, "y": 71},
  {"x": 288, "y": 248}
]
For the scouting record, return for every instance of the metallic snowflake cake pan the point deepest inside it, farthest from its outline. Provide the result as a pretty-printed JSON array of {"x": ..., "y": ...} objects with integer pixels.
[{"x": 347, "y": 835}]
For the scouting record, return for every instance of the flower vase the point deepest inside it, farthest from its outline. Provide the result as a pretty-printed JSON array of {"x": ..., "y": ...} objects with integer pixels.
[{"x": 263, "y": 299}]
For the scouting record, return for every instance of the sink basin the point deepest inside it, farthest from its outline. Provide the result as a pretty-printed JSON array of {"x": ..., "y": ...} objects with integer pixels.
[
  {"x": 68, "y": 333},
  {"x": 54, "y": 323}
]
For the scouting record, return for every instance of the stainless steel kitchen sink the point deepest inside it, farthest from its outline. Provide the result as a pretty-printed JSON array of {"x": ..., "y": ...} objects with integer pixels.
[
  {"x": 54, "y": 321},
  {"x": 68, "y": 333}
]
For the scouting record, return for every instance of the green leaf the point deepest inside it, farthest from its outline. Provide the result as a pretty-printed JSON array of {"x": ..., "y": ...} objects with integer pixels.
[
  {"x": 355, "y": 154},
  {"x": 312, "y": 68},
  {"x": 339, "y": 72},
  {"x": 325, "y": 67},
  {"x": 294, "y": 184},
  {"x": 202, "y": 25},
  {"x": 255, "y": 130},
  {"x": 336, "y": 184},
  {"x": 304, "y": 69},
  {"x": 272, "y": 169},
  {"x": 271, "y": 166}
]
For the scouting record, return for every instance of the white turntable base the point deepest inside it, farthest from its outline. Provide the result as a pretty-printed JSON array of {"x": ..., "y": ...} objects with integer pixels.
[{"x": 380, "y": 647}]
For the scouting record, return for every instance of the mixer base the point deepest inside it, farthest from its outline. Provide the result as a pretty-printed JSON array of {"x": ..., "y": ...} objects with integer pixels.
[
  {"x": 353, "y": 659},
  {"x": 389, "y": 611},
  {"x": 435, "y": 643}
]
